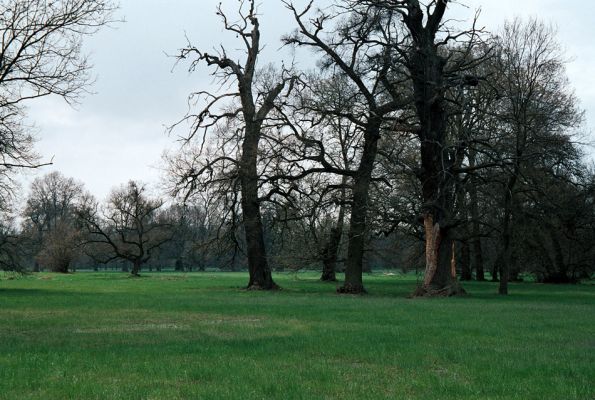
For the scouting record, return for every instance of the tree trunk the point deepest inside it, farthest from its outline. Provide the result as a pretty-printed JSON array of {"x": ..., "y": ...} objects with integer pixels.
[
  {"x": 475, "y": 226},
  {"x": 62, "y": 268},
  {"x": 359, "y": 210},
  {"x": 436, "y": 177},
  {"x": 506, "y": 235},
  {"x": 260, "y": 273},
  {"x": 136, "y": 266},
  {"x": 465, "y": 262},
  {"x": 331, "y": 250},
  {"x": 36, "y": 265},
  {"x": 478, "y": 259},
  {"x": 561, "y": 272},
  {"x": 439, "y": 279},
  {"x": 495, "y": 270}
]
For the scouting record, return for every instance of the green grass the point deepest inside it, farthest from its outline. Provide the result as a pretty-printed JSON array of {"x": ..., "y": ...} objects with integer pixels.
[{"x": 174, "y": 336}]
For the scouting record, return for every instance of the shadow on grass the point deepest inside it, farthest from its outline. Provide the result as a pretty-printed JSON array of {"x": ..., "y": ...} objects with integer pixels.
[
  {"x": 36, "y": 292},
  {"x": 379, "y": 286}
]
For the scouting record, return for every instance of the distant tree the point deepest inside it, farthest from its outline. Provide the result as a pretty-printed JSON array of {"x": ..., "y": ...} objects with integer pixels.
[
  {"x": 12, "y": 244},
  {"x": 126, "y": 228},
  {"x": 61, "y": 247},
  {"x": 197, "y": 241},
  {"x": 49, "y": 216}
]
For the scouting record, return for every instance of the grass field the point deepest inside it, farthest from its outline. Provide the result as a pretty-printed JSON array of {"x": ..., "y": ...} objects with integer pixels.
[{"x": 174, "y": 336}]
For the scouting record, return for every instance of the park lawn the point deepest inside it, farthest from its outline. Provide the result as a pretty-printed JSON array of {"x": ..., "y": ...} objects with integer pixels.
[{"x": 199, "y": 335}]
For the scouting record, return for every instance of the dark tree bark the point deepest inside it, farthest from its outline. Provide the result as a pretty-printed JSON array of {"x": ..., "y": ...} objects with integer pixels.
[
  {"x": 465, "y": 261},
  {"x": 253, "y": 115},
  {"x": 478, "y": 259},
  {"x": 359, "y": 211},
  {"x": 423, "y": 57},
  {"x": 562, "y": 271},
  {"x": 426, "y": 67},
  {"x": 475, "y": 222},
  {"x": 331, "y": 249},
  {"x": 352, "y": 55},
  {"x": 495, "y": 271},
  {"x": 504, "y": 257},
  {"x": 260, "y": 272},
  {"x": 136, "y": 267}
]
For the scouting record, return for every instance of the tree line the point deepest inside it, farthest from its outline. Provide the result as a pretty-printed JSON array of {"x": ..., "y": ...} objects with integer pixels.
[{"x": 411, "y": 145}]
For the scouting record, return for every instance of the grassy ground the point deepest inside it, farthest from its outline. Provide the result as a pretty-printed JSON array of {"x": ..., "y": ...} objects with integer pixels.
[{"x": 174, "y": 336}]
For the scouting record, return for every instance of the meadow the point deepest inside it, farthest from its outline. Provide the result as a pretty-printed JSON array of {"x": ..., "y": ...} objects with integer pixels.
[{"x": 200, "y": 336}]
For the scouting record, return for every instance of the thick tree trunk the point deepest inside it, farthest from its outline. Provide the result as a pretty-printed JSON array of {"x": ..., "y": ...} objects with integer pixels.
[
  {"x": 427, "y": 71},
  {"x": 260, "y": 273},
  {"x": 136, "y": 266},
  {"x": 359, "y": 210},
  {"x": 439, "y": 279},
  {"x": 437, "y": 187}
]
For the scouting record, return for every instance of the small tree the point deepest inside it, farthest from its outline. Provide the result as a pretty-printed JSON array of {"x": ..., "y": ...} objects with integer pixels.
[
  {"x": 60, "y": 248},
  {"x": 127, "y": 228}
]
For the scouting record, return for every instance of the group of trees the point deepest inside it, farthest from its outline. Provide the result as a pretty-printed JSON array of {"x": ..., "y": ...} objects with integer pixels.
[
  {"x": 407, "y": 130},
  {"x": 411, "y": 145},
  {"x": 63, "y": 224}
]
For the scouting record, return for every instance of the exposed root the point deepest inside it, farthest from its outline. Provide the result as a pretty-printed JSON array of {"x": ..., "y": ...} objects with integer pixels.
[
  {"x": 326, "y": 279},
  {"x": 448, "y": 291},
  {"x": 259, "y": 287},
  {"x": 351, "y": 289}
]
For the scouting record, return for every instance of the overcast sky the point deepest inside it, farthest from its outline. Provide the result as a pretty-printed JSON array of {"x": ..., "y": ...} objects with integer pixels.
[{"x": 118, "y": 133}]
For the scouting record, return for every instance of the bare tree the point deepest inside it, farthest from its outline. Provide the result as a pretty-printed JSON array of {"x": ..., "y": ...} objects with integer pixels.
[
  {"x": 40, "y": 55},
  {"x": 251, "y": 107},
  {"x": 433, "y": 68},
  {"x": 127, "y": 228},
  {"x": 350, "y": 48},
  {"x": 536, "y": 109}
]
